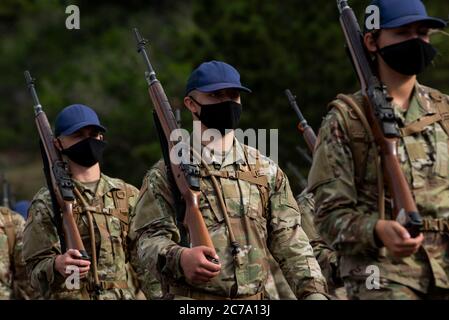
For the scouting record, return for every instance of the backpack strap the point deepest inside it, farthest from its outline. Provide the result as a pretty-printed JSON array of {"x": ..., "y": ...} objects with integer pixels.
[
  {"x": 442, "y": 105},
  {"x": 121, "y": 199},
  {"x": 358, "y": 129},
  {"x": 442, "y": 114},
  {"x": 361, "y": 138},
  {"x": 419, "y": 125},
  {"x": 10, "y": 229},
  {"x": 247, "y": 176},
  {"x": 254, "y": 174},
  {"x": 121, "y": 211}
]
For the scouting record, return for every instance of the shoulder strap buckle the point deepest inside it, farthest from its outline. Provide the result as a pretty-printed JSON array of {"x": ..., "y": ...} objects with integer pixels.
[
  {"x": 437, "y": 96},
  {"x": 232, "y": 175}
]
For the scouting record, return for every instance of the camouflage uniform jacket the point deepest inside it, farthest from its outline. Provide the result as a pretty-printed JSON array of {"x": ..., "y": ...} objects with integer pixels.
[
  {"x": 14, "y": 283},
  {"x": 346, "y": 210},
  {"x": 42, "y": 244},
  {"x": 275, "y": 229}
]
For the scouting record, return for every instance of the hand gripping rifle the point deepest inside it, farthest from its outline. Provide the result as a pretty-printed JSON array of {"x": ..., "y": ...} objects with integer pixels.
[
  {"x": 58, "y": 179},
  {"x": 185, "y": 176},
  {"x": 381, "y": 117}
]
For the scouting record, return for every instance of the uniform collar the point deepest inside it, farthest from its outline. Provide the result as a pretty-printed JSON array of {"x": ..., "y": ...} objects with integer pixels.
[
  {"x": 235, "y": 155},
  {"x": 420, "y": 105},
  {"x": 105, "y": 185},
  {"x": 424, "y": 99}
]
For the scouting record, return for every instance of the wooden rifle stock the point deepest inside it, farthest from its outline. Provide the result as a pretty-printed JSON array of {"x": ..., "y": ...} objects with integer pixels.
[{"x": 309, "y": 137}]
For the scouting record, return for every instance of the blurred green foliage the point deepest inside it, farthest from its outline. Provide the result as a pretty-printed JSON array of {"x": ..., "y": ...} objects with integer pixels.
[{"x": 275, "y": 45}]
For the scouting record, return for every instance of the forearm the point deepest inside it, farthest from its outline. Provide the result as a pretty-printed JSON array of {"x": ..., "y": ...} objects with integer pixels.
[
  {"x": 41, "y": 246},
  {"x": 21, "y": 281},
  {"x": 344, "y": 222},
  {"x": 347, "y": 228},
  {"x": 153, "y": 227},
  {"x": 160, "y": 253},
  {"x": 298, "y": 262},
  {"x": 43, "y": 275}
]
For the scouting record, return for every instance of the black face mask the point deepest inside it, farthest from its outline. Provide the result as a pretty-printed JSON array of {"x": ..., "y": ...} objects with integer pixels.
[
  {"x": 87, "y": 152},
  {"x": 410, "y": 57},
  {"x": 220, "y": 116}
]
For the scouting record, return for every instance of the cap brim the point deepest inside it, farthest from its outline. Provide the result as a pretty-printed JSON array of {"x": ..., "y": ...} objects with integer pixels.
[
  {"x": 80, "y": 125},
  {"x": 219, "y": 86},
  {"x": 402, "y": 21}
]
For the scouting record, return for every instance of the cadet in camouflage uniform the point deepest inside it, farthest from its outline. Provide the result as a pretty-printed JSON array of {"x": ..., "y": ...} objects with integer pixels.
[
  {"x": 261, "y": 209},
  {"x": 344, "y": 176},
  {"x": 14, "y": 282},
  {"x": 101, "y": 213}
]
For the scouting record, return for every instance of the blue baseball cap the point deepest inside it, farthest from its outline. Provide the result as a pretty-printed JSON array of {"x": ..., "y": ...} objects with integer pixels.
[
  {"x": 75, "y": 117},
  {"x": 22, "y": 207},
  {"x": 214, "y": 75},
  {"x": 398, "y": 13}
]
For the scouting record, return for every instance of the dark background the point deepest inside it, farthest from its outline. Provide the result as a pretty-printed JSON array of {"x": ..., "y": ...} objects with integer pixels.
[{"x": 274, "y": 44}]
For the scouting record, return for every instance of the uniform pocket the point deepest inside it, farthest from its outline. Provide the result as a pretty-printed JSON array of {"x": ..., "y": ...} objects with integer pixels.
[
  {"x": 210, "y": 210},
  {"x": 115, "y": 226},
  {"x": 256, "y": 212},
  {"x": 417, "y": 155},
  {"x": 441, "y": 167}
]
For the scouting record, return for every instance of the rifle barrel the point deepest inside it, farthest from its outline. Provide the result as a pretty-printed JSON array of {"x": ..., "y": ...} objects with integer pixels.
[
  {"x": 292, "y": 99},
  {"x": 342, "y": 5},
  {"x": 141, "y": 42},
  {"x": 30, "y": 83},
  {"x": 5, "y": 187}
]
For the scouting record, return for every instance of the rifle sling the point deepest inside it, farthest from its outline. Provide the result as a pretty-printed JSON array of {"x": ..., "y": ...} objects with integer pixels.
[
  {"x": 367, "y": 131},
  {"x": 419, "y": 125},
  {"x": 442, "y": 105},
  {"x": 247, "y": 176}
]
